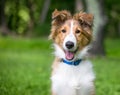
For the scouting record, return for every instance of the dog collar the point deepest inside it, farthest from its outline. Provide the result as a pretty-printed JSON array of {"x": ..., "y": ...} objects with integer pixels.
[{"x": 74, "y": 63}]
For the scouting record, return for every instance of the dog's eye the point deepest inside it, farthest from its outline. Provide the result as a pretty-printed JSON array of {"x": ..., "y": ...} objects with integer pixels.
[
  {"x": 77, "y": 31},
  {"x": 63, "y": 30},
  {"x": 85, "y": 25}
]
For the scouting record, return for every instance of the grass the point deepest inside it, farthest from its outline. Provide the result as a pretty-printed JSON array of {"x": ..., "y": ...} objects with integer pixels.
[{"x": 25, "y": 67}]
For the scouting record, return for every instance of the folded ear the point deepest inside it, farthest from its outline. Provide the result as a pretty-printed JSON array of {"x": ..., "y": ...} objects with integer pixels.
[
  {"x": 85, "y": 20},
  {"x": 59, "y": 17}
]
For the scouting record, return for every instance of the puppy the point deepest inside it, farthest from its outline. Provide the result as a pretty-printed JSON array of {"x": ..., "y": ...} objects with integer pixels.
[{"x": 72, "y": 74}]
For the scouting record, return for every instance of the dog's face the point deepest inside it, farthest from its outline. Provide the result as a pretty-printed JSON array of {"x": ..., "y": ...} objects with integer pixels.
[{"x": 71, "y": 33}]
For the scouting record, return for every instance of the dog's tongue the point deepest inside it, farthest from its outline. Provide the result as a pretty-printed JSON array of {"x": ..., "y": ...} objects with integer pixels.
[{"x": 69, "y": 55}]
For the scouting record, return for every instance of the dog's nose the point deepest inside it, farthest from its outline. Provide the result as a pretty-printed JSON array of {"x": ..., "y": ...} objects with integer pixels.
[{"x": 69, "y": 44}]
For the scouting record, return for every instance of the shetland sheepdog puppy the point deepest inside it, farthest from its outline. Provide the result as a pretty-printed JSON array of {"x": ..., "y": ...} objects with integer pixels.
[{"x": 72, "y": 73}]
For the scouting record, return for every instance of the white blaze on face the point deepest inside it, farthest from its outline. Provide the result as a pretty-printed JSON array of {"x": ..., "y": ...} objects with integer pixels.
[{"x": 70, "y": 37}]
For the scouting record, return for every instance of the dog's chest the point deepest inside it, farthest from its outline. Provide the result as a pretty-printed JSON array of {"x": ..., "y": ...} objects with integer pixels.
[{"x": 72, "y": 77}]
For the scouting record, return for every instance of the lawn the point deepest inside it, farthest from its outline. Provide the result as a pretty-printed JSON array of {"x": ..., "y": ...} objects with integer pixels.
[{"x": 25, "y": 66}]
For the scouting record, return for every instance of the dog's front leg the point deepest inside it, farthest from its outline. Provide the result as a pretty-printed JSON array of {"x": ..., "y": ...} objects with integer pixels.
[
  {"x": 53, "y": 93},
  {"x": 86, "y": 89}
]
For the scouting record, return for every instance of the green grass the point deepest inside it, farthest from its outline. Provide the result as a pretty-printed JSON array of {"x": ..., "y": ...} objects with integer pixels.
[
  {"x": 113, "y": 48},
  {"x": 25, "y": 66}
]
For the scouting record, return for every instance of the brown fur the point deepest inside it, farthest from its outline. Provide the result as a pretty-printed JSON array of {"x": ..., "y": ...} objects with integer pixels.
[{"x": 55, "y": 65}]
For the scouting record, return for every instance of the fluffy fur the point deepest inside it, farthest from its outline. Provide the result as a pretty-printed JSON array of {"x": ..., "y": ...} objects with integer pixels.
[{"x": 76, "y": 29}]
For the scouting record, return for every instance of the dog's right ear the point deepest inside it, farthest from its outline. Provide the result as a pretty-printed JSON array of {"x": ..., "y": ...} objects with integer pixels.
[{"x": 59, "y": 17}]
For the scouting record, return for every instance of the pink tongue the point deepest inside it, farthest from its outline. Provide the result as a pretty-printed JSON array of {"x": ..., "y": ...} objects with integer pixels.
[{"x": 69, "y": 55}]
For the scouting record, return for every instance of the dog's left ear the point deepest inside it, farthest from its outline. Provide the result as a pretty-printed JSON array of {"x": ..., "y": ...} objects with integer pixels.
[{"x": 85, "y": 20}]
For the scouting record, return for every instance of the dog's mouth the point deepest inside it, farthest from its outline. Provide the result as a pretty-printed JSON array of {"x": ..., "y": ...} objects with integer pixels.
[{"x": 69, "y": 55}]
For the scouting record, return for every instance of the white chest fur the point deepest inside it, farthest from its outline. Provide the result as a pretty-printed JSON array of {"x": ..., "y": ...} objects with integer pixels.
[{"x": 73, "y": 80}]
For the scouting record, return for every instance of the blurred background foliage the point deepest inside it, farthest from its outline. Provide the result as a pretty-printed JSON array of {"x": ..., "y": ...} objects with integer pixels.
[{"x": 23, "y": 17}]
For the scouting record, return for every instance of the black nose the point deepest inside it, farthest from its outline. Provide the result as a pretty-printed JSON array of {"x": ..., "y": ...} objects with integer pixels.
[{"x": 69, "y": 44}]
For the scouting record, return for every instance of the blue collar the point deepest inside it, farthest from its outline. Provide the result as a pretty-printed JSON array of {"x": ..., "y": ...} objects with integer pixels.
[{"x": 74, "y": 63}]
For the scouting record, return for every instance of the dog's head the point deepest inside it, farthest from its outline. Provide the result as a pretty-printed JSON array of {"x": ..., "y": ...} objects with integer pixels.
[{"x": 71, "y": 33}]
